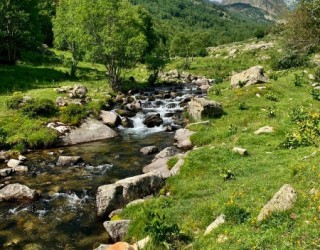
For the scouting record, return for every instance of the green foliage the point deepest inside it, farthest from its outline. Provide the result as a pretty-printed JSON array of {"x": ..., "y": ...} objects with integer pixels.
[
  {"x": 228, "y": 175},
  {"x": 298, "y": 114},
  {"x": 73, "y": 114},
  {"x": 39, "y": 107},
  {"x": 306, "y": 133},
  {"x": 315, "y": 94},
  {"x": 299, "y": 80},
  {"x": 271, "y": 96},
  {"x": 289, "y": 59},
  {"x": 216, "y": 91},
  {"x": 15, "y": 101},
  {"x": 19, "y": 28},
  {"x": 163, "y": 232},
  {"x": 271, "y": 112},
  {"x": 171, "y": 162},
  {"x": 317, "y": 74},
  {"x": 232, "y": 129},
  {"x": 243, "y": 106},
  {"x": 235, "y": 214},
  {"x": 3, "y": 137}
]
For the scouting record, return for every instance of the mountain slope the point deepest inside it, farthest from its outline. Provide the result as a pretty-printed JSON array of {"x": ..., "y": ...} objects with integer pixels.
[
  {"x": 274, "y": 7},
  {"x": 223, "y": 26}
]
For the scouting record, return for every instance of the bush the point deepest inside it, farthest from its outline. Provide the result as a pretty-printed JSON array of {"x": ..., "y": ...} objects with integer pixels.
[
  {"x": 235, "y": 214},
  {"x": 298, "y": 80},
  {"x": 3, "y": 137},
  {"x": 317, "y": 75},
  {"x": 39, "y": 107},
  {"x": 271, "y": 96},
  {"x": 272, "y": 112},
  {"x": 73, "y": 114},
  {"x": 243, "y": 106},
  {"x": 315, "y": 94},
  {"x": 289, "y": 60},
  {"x": 15, "y": 101}
]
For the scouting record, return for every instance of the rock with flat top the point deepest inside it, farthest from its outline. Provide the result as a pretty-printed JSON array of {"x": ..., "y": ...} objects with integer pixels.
[
  {"x": 114, "y": 196},
  {"x": 149, "y": 150},
  {"x": 110, "y": 118},
  {"x": 18, "y": 192},
  {"x": 254, "y": 75},
  {"x": 117, "y": 230},
  {"x": 166, "y": 153},
  {"x": 91, "y": 130},
  {"x": 13, "y": 163},
  {"x": 199, "y": 108},
  {"x": 68, "y": 160},
  {"x": 182, "y": 137},
  {"x": 153, "y": 120},
  {"x": 283, "y": 200},
  {"x": 264, "y": 130}
]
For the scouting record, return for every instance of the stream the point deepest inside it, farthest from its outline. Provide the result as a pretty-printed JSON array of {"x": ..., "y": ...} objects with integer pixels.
[{"x": 65, "y": 216}]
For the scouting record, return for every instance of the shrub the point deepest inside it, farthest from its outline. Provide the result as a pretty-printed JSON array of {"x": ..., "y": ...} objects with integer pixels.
[
  {"x": 271, "y": 96},
  {"x": 14, "y": 102},
  {"x": 315, "y": 94},
  {"x": 298, "y": 114},
  {"x": 228, "y": 175},
  {"x": 3, "y": 137},
  {"x": 235, "y": 214},
  {"x": 289, "y": 60},
  {"x": 73, "y": 114},
  {"x": 317, "y": 74},
  {"x": 243, "y": 106},
  {"x": 39, "y": 107},
  {"x": 272, "y": 112},
  {"x": 298, "y": 80}
]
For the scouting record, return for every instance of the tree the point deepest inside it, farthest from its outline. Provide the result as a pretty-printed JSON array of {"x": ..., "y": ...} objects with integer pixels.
[
  {"x": 302, "y": 29},
  {"x": 66, "y": 27},
  {"x": 111, "y": 32},
  {"x": 19, "y": 28},
  {"x": 47, "y": 11}
]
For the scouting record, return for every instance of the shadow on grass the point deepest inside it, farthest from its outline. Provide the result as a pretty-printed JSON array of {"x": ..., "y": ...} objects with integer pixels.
[{"x": 22, "y": 78}]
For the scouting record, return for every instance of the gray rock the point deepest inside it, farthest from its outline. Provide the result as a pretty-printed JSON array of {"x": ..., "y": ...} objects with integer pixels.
[
  {"x": 61, "y": 102},
  {"x": 134, "y": 106},
  {"x": 240, "y": 151},
  {"x": 114, "y": 196},
  {"x": 283, "y": 200},
  {"x": 199, "y": 108},
  {"x": 153, "y": 120},
  {"x": 68, "y": 160},
  {"x": 182, "y": 138},
  {"x": 12, "y": 163},
  {"x": 115, "y": 212},
  {"x": 159, "y": 165},
  {"x": 91, "y": 130},
  {"x": 218, "y": 221},
  {"x": 249, "y": 77},
  {"x": 110, "y": 118},
  {"x": 22, "y": 158},
  {"x": 264, "y": 130},
  {"x": 149, "y": 150},
  {"x": 21, "y": 169},
  {"x": 117, "y": 230},
  {"x": 176, "y": 168},
  {"x": 166, "y": 153},
  {"x": 18, "y": 192},
  {"x": 78, "y": 91},
  {"x": 6, "y": 172}
]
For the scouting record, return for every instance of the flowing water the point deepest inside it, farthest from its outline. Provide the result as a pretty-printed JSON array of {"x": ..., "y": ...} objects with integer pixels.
[{"x": 65, "y": 216}]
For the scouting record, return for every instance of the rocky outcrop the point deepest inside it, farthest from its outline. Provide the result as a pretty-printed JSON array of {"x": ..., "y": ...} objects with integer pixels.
[
  {"x": 283, "y": 200},
  {"x": 182, "y": 138},
  {"x": 110, "y": 118},
  {"x": 68, "y": 160},
  {"x": 18, "y": 192},
  {"x": 199, "y": 108},
  {"x": 153, "y": 120},
  {"x": 91, "y": 130},
  {"x": 115, "y": 196},
  {"x": 249, "y": 77},
  {"x": 117, "y": 230},
  {"x": 149, "y": 150},
  {"x": 78, "y": 91}
]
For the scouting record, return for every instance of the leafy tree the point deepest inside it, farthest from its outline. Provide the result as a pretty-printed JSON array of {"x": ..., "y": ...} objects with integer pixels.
[
  {"x": 19, "y": 28},
  {"x": 47, "y": 11},
  {"x": 302, "y": 30},
  {"x": 111, "y": 32},
  {"x": 66, "y": 27}
]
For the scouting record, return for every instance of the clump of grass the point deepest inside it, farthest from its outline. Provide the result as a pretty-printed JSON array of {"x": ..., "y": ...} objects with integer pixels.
[
  {"x": 73, "y": 114},
  {"x": 235, "y": 214},
  {"x": 15, "y": 101},
  {"x": 171, "y": 162},
  {"x": 271, "y": 96},
  {"x": 39, "y": 107}
]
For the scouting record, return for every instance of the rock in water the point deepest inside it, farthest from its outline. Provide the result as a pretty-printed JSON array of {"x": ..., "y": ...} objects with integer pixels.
[
  {"x": 153, "y": 120},
  {"x": 110, "y": 118},
  {"x": 18, "y": 192},
  {"x": 117, "y": 230},
  {"x": 249, "y": 77},
  {"x": 13, "y": 163},
  {"x": 283, "y": 200},
  {"x": 149, "y": 150},
  {"x": 68, "y": 160},
  {"x": 91, "y": 130},
  {"x": 199, "y": 108}
]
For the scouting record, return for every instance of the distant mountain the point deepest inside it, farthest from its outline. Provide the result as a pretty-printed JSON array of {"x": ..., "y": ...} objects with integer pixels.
[
  {"x": 273, "y": 7},
  {"x": 198, "y": 16}
]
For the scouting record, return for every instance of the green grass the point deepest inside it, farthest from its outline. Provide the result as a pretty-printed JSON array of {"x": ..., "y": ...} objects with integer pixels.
[{"x": 199, "y": 193}]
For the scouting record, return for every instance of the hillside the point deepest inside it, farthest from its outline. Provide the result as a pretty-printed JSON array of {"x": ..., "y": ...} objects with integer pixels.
[
  {"x": 275, "y": 8},
  {"x": 197, "y": 16}
]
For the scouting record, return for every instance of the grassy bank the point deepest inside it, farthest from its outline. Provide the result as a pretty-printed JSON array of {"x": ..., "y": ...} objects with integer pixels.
[{"x": 203, "y": 190}]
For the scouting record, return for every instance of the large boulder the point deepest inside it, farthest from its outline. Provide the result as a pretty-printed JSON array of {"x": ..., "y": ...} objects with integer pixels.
[
  {"x": 153, "y": 120},
  {"x": 91, "y": 130},
  {"x": 18, "y": 192},
  {"x": 249, "y": 77},
  {"x": 114, "y": 196},
  {"x": 199, "y": 108},
  {"x": 110, "y": 118},
  {"x": 117, "y": 230},
  {"x": 182, "y": 137},
  {"x": 283, "y": 200},
  {"x": 68, "y": 160}
]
